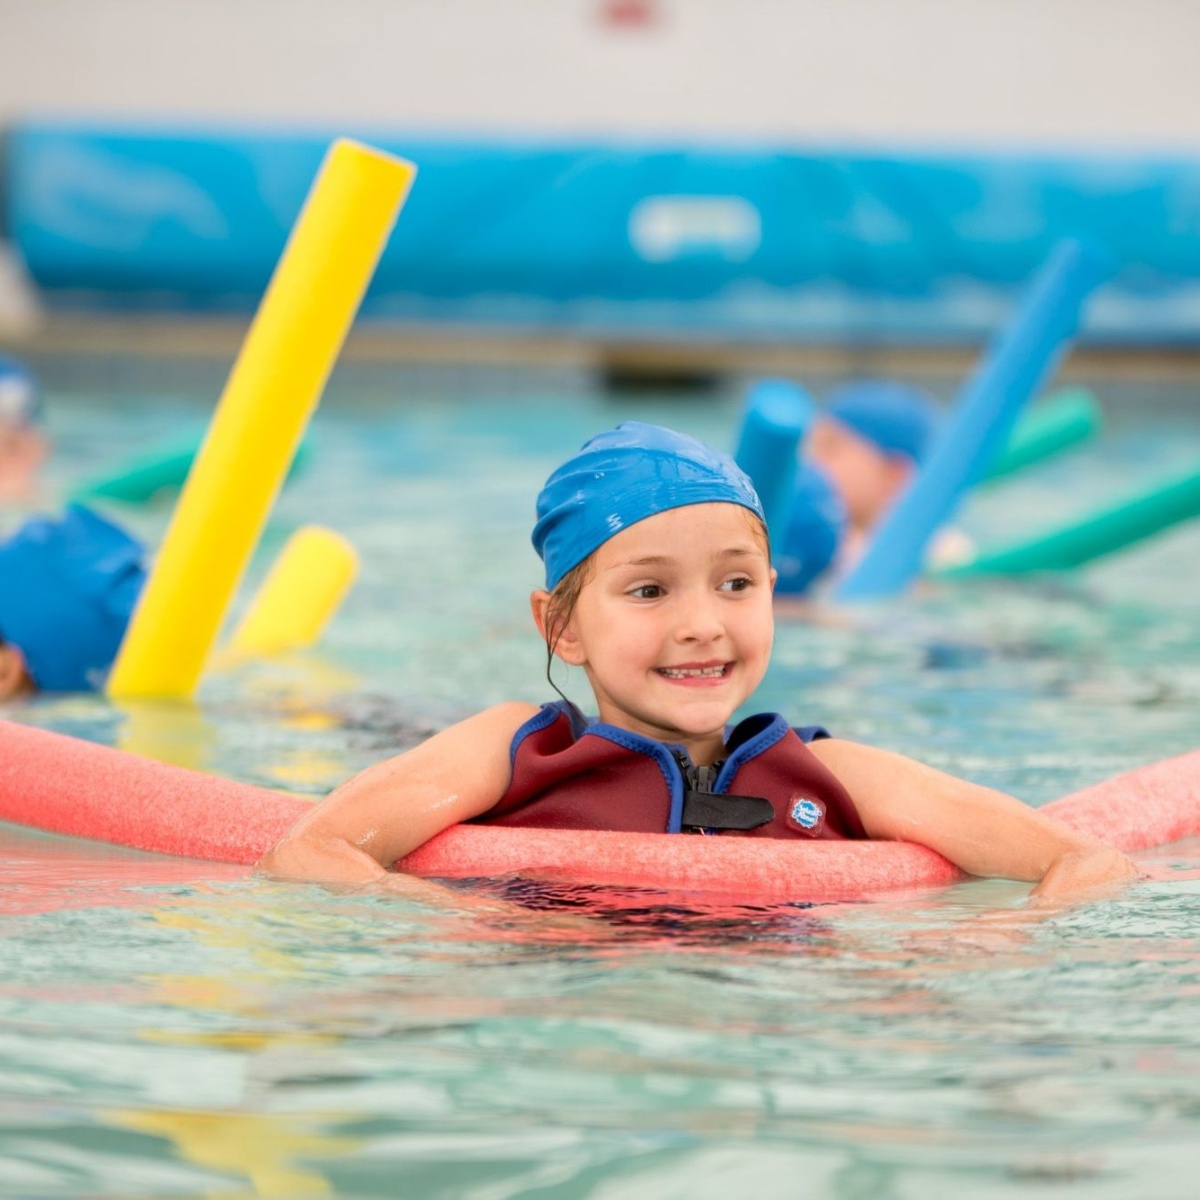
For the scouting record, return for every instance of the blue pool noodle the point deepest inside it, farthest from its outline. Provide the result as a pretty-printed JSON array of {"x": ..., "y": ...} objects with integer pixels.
[
  {"x": 1019, "y": 362},
  {"x": 775, "y": 418}
]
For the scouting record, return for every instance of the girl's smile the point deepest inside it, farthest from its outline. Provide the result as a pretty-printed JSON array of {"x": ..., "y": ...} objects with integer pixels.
[{"x": 696, "y": 674}]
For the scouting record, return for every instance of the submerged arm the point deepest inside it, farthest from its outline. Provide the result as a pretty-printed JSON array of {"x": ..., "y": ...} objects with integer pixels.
[
  {"x": 373, "y": 820},
  {"x": 980, "y": 830}
]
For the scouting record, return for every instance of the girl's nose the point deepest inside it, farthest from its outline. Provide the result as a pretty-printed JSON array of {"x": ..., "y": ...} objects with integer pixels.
[{"x": 700, "y": 618}]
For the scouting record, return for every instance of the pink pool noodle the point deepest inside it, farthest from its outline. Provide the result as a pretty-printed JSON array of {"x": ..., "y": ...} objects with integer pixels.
[
  {"x": 64, "y": 785},
  {"x": 58, "y": 783}
]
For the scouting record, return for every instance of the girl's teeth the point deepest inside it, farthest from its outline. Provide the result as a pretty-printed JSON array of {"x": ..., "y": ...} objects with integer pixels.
[{"x": 692, "y": 672}]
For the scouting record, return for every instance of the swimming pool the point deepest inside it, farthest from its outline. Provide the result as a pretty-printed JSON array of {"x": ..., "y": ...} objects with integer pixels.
[{"x": 174, "y": 1029}]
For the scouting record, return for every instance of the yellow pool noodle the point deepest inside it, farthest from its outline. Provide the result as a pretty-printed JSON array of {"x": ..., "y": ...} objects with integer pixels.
[
  {"x": 274, "y": 387},
  {"x": 300, "y": 594}
]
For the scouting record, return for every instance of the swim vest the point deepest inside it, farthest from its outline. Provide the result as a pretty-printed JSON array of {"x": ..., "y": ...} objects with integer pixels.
[{"x": 571, "y": 773}]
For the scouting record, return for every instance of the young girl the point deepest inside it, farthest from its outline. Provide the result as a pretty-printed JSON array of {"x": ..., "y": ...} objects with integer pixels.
[{"x": 658, "y": 584}]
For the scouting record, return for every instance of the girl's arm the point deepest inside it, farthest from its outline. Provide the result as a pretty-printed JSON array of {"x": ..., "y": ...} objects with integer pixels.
[
  {"x": 363, "y": 827},
  {"x": 980, "y": 830}
]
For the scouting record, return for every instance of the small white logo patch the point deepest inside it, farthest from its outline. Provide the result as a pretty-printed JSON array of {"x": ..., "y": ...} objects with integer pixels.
[{"x": 806, "y": 813}]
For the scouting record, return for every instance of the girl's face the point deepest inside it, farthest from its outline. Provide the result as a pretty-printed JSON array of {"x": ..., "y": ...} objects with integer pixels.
[{"x": 674, "y": 626}]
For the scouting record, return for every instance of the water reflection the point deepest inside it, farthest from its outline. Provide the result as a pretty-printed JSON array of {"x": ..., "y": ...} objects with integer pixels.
[{"x": 282, "y": 1040}]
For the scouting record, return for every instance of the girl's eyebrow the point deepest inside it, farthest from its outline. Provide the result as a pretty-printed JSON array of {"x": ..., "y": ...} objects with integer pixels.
[{"x": 659, "y": 560}]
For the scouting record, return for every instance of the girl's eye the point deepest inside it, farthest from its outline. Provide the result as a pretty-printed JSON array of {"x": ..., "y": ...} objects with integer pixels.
[
  {"x": 646, "y": 591},
  {"x": 738, "y": 584}
]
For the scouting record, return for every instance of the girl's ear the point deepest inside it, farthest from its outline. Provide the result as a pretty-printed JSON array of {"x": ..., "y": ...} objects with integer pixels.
[
  {"x": 538, "y": 603},
  {"x": 563, "y": 641}
]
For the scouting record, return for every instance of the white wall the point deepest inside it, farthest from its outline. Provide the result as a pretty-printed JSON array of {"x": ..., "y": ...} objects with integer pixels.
[{"x": 1058, "y": 74}]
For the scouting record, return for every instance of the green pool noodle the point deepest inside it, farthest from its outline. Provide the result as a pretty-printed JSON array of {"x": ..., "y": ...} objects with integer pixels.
[
  {"x": 1104, "y": 532},
  {"x": 1056, "y": 424},
  {"x": 138, "y": 480}
]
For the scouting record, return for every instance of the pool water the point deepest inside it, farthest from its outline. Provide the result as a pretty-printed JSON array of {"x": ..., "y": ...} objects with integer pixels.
[{"x": 171, "y": 1028}]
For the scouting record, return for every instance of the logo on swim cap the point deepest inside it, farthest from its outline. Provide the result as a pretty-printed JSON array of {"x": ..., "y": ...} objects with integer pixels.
[{"x": 805, "y": 813}]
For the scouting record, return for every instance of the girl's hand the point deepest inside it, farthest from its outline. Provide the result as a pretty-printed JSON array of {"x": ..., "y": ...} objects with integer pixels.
[
  {"x": 1091, "y": 874},
  {"x": 982, "y": 831},
  {"x": 371, "y": 822}
]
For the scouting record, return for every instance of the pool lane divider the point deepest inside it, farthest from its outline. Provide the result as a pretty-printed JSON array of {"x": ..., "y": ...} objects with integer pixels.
[
  {"x": 1018, "y": 364},
  {"x": 275, "y": 384},
  {"x": 62, "y": 784},
  {"x": 1100, "y": 533}
]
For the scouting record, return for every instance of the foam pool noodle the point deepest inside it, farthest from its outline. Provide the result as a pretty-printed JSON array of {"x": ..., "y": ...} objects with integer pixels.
[
  {"x": 163, "y": 468},
  {"x": 272, "y": 391},
  {"x": 1019, "y": 362},
  {"x": 1105, "y": 532},
  {"x": 297, "y": 599},
  {"x": 775, "y": 417},
  {"x": 62, "y": 784},
  {"x": 1066, "y": 419}
]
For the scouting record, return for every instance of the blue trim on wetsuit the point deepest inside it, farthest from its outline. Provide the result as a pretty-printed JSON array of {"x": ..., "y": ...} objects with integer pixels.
[
  {"x": 580, "y": 724},
  {"x": 749, "y": 739}
]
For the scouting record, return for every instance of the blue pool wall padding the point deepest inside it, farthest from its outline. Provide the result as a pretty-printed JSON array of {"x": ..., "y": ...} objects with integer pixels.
[{"x": 749, "y": 241}]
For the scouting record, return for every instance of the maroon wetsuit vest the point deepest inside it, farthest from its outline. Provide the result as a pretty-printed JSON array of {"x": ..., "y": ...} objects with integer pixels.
[{"x": 568, "y": 773}]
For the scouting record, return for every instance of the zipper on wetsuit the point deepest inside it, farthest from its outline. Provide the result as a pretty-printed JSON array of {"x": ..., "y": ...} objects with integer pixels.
[
  {"x": 698, "y": 781},
  {"x": 727, "y": 811}
]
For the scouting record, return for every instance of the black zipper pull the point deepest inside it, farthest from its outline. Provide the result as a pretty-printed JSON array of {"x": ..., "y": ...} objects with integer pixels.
[{"x": 707, "y": 812}]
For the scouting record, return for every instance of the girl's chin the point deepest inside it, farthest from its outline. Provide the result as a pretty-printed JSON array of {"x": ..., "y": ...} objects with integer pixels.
[{"x": 675, "y": 727}]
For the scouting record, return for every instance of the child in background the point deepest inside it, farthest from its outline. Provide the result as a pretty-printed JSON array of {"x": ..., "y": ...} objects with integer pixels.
[
  {"x": 871, "y": 439},
  {"x": 22, "y": 442},
  {"x": 67, "y": 591},
  {"x": 861, "y": 453},
  {"x": 659, "y": 586}
]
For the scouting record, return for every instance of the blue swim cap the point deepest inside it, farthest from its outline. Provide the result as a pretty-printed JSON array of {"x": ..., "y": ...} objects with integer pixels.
[
  {"x": 67, "y": 591},
  {"x": 20, "y": 400},
  {"x": 624, "y": 476},
  {"x": 814, "y": 532},
  {"x": 897, "y": 418}
]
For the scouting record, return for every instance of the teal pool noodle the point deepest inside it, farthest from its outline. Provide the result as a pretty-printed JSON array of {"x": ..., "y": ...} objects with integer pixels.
[
  {"x": 1017, "y": 365},
  {"x": 1105, "y": 532},
  {"x": 138, "y": 480},
  {"x": 1066, "y": 419},
  {"x": 775, "y": 417}
]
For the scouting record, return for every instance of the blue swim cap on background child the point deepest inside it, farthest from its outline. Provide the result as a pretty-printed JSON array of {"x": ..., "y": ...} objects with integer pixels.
[
  {"x": 624, "y": 476},
  {"x": 67, "y": 590},
  {"x": 20, "y": 399},
  {"x": 897, "y": 418},
  {"x": 814, "y": 532}
]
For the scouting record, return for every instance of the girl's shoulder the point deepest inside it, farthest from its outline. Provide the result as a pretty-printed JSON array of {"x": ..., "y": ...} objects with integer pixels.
[
  {"x": 486, "y": 734},
  {"x": 499, "y": 722},
  {"x": 510, "y": 712}
]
